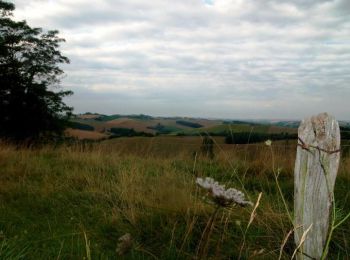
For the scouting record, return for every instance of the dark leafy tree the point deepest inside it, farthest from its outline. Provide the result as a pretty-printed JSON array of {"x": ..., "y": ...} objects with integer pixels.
[{"x": 31, "y": 104}]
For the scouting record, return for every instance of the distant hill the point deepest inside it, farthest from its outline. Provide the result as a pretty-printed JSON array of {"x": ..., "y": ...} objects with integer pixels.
[
  {"x": 108, "y": 126},
  {"x": 104, "y": 126}
]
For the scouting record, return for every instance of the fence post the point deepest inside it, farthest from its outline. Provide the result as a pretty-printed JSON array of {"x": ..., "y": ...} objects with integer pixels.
[{"x": 316, "y": 168}]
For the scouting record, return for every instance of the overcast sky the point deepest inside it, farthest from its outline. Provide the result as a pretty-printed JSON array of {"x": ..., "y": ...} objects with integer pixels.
[{"x": 207, "y": 58}]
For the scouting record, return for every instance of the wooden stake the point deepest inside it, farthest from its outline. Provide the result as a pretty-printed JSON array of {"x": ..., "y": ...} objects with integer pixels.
[{"x": 316, "y": 168}]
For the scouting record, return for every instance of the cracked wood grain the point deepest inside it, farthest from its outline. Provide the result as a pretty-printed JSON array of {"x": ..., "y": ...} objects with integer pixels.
[{"x": 316, "y": 167}]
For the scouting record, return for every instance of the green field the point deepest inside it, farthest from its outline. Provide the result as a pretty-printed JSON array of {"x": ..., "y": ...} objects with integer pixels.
[
  {"x": 141, "y": 125},
  {"x": 76, "y": 201}
]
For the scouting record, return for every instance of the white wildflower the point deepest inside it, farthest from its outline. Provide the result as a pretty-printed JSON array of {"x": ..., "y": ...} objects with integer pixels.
[
  {"x": 268, "y": 142},
  {"x": 206, "y": 183},
  {"x": 220, "y": 195}
]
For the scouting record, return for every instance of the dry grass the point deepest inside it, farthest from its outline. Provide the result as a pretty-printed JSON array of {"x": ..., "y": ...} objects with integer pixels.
[
  {"x": 83, "y": 134},
  {"x": 69, "y": 195}
]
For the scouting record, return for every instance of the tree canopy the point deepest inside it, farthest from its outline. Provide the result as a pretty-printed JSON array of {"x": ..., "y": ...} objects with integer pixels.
[{"x": 31, "y": 102}]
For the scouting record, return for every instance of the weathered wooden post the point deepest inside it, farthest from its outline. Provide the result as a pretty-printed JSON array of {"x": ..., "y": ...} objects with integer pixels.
[{"x": 316, "y": 168}]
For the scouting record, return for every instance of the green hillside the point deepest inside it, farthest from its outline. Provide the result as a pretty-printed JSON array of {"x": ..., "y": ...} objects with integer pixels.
[{"x": 145, "y": 125}]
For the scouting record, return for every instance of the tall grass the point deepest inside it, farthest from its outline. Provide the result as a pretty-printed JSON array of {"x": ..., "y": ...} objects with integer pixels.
[{"x": 74, "y": 202}]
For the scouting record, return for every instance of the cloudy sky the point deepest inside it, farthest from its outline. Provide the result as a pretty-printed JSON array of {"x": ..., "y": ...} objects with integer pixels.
[{"x": 207, "y": 58}]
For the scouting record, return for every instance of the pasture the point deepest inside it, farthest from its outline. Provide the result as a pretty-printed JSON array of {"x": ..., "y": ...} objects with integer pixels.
[{"x": 75, "y": 201}]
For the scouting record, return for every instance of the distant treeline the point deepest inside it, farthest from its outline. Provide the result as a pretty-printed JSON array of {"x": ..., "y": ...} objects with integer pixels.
[
  {"x": 237, "y": 122},
  {"x": 127, "y": 132},
  {"x": 162, "y": 129},
  {"x": 80, "y": 126},
  {"x": 247, "y": 137},
  {"x": 345, "y": 132},
  {"x": 189, "y": 124},
  {"x": 105, "y": 118}
]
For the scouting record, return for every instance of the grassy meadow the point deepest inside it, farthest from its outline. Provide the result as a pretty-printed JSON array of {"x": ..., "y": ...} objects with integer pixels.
[{"x": 76, "y": 201}]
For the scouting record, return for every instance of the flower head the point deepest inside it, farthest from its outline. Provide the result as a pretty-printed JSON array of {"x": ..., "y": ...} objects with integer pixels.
[
  {"x": 268, "y": 142},
  {"x": 220, "y": 195}
]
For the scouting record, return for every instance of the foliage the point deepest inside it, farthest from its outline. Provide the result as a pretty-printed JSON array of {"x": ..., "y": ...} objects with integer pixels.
[
  {"x": 163, "y": 129},
  {"x": 188, "y": 123},
  {"x": 345, "y": 132},
  {"x": 129, "y": 132},
  {"x": 238, "y": 122},
  {"x": 29, "y": 71},
  {"x": 226, "y": 129},
  {"x": 81, "y": 126},
  {"x": 254, "y": 137},
  {"x": 105, "y": 118}
]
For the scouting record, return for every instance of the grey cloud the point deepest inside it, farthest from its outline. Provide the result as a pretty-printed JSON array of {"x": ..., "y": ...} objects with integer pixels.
[
  {"x": 227, "y": 59},
  {"x": 303, "y": 3}
]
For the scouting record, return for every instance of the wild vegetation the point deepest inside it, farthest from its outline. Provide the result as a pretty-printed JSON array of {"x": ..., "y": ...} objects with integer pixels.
[
  {"x": 30, "y": 107},
  {"x": 157, "y": 194},
  {"x": 137, "y": 198}
]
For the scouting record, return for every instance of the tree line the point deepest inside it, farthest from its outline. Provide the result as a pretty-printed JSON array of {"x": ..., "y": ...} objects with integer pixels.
[
  {"x": 31, "y": 101},
  {"x": 253, "y": 137}
]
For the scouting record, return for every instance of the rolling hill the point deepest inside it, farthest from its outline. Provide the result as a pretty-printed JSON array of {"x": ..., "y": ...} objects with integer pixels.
[{"x": 99, "y": 126}]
